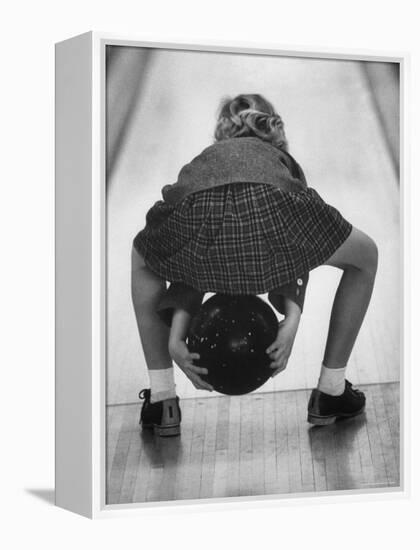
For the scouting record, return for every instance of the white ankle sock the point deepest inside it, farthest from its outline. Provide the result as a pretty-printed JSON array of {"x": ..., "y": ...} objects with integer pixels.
[
  {"x": 162, "y": 384},
  {"x": 332, "y": 381}
]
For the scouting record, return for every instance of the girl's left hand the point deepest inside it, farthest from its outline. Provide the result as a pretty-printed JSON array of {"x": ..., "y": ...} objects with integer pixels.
[{"x": 281, "y": 348}]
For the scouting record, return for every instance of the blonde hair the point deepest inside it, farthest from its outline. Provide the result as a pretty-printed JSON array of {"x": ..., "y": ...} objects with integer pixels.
[{"x": 250, "y": 115}]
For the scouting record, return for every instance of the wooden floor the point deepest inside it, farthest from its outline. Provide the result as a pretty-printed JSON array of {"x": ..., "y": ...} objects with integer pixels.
[{"x": 253, "y": 445}]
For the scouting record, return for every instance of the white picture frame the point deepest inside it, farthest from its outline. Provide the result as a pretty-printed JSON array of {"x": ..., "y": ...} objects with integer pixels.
[{"x": 81, "y": 270}]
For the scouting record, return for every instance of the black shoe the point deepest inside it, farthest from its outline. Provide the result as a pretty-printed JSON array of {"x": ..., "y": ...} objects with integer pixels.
[
  {"x": 325, "y": 409},
  {"x": 164, "y": 417}
]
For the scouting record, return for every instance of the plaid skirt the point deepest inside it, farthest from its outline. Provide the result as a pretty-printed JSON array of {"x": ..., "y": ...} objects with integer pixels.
[{"x": 242, "y": 238}]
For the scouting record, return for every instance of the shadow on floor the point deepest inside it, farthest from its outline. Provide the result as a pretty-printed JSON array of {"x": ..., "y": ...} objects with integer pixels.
[{"x": 47, "y": 495}]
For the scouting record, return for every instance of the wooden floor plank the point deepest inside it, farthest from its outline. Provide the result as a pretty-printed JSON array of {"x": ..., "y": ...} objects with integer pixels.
[
  {"x": 388, "y": 451},
  {"x": 118, "y": 465},
  {"x": 222, "y": 430},
  {"x": 258, "y": 467},
  {"x": 232, "y": 488},
  {"x": 114, "y": 422},
  {"x": 209, "y": 448},
  {"x": 221, "y": 453},
  {"x": 380, "y": 476},
  {"x": 318, "y": 459},
  {"x": 133, "y": 458},
  {"x": 197, "y": 447},
  {"x": 295, "y": 476},
  {"x": 245, "y": 456},
  {"x": 172, "y": 449},
  {"x": 332, "y": 458},
  {"x": 220, "y": 480},
  {"x": 391, "y": 403},
  {"x": 307, "y": 470},
  {"x": 282, "y": 448},
  {"x": 156, "y": 470},
  {"x": 144, "y": 468},
  {"x": 269, "y": 445},
  {"x": 182, "y": 477},
  {"x": 365, "y": 456},
  {"x": 253, "y": 445},
  {"x": 347, "y": 453}
]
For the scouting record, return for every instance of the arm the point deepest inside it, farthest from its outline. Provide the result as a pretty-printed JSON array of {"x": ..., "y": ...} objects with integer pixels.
[
  {"x": 295, "y": 291},
  {"x": 281, "y": 348},
  {"x": 179, "y": 296},
  {"x": 288, "y": 300},
  {"x": 179, "y": 327},
  {"x": 179, "y": 352},
  {"x": 176, "y": 308}
]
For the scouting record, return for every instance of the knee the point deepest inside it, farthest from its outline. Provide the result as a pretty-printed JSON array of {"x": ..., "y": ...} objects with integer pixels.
[
  {"x": 371, "y": 257},
  {"x": 146, "y": 287},
  {"x": 367, "y": 261},
  {"x": 358, "y": 253}
]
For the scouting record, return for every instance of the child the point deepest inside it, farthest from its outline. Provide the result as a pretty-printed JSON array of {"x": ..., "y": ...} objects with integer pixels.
[{"x": 241, "y": 220}]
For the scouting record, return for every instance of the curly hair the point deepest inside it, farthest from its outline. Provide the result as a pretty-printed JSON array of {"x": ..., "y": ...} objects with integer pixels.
[{"x": 250, "y": 115}]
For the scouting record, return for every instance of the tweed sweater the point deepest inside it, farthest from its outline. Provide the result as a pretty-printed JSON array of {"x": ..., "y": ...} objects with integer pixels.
[{"x": 236, "y": 160}]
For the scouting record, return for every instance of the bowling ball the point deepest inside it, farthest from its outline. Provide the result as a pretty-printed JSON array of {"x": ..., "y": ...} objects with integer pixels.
[{"x": 231, "y": 334}]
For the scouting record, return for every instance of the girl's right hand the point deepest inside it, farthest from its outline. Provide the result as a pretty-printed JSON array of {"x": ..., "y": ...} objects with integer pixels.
[
  {"x": 280, "y": 350},
  {"x": 184, "y": 359}
]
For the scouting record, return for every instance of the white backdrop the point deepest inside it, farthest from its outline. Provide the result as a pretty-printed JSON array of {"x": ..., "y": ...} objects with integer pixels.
[{"x": 29, "y": 30}]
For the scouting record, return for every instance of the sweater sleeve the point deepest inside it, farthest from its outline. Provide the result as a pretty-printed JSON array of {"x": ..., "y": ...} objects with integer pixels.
[
  {"x": 179, "y": 296},
  {"x": 295, "y": 291}
]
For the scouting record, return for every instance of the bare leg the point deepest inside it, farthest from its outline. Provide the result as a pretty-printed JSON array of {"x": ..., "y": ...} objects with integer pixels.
[
  {"x": 358, "y": 257},
  {"x": 146, "y": 291}
]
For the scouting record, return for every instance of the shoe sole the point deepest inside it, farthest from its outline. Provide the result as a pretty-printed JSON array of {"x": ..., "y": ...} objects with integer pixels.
[
  {"x": 327, "y": 420},
  {"x": 163, "y": 431}
]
